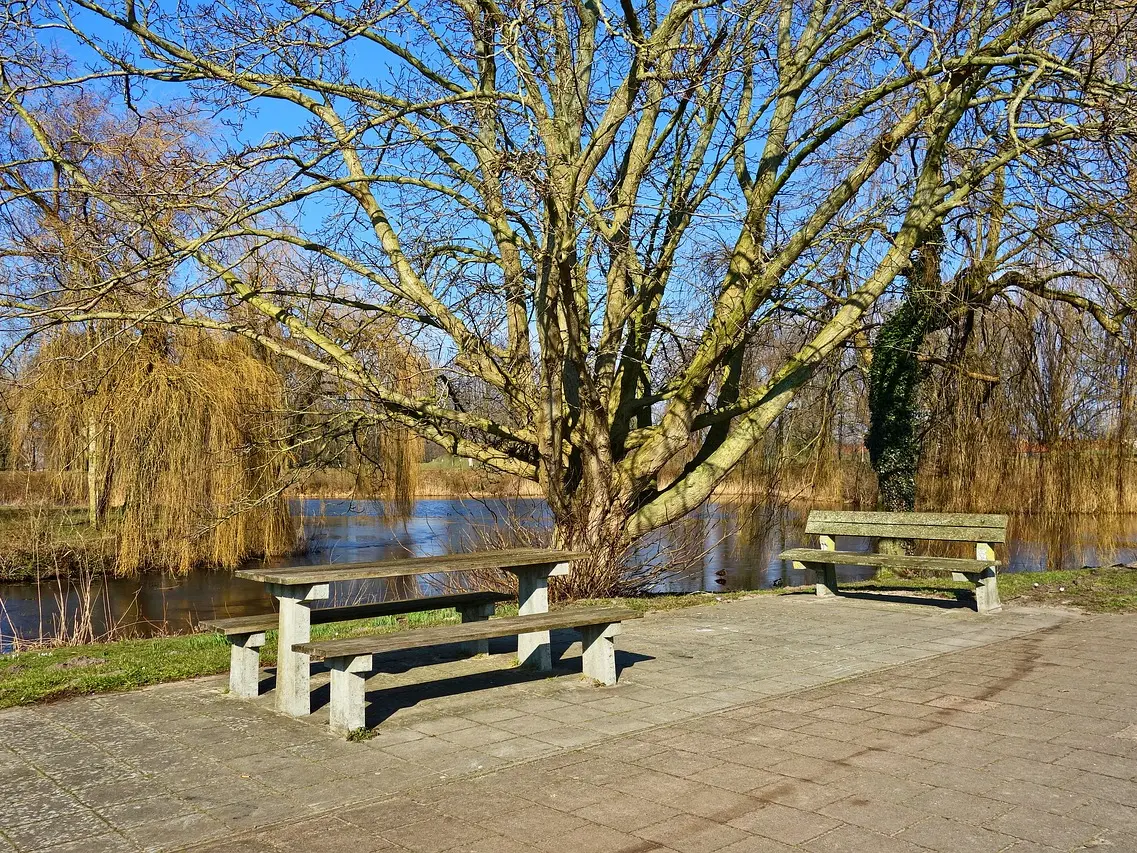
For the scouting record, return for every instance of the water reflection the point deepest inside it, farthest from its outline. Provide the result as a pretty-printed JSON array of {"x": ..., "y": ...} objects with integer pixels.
[{"x": 725, "y": 546}]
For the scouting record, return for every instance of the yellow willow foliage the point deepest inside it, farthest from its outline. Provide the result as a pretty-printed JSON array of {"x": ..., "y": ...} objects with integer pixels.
[{"x": 177, "y": 429}]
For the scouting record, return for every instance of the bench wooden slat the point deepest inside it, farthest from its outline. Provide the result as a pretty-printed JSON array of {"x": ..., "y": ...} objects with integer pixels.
[
  {"x": 511, "y": 559},
  {"x": 899, "y": 561},
  {"x": 944, "y": 527},
  {"x": 930, "y": 519},
  {"x": 571, "y": 617},
  {"x": 322, "y": 616}
]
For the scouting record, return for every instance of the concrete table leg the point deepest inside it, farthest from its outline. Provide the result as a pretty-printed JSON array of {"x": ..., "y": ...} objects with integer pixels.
[
  {"x": 534, "y": 649},
  {"x": 245, "y": 664},
  {"x": 476, "y": 613},
  {"x": 599, "y": 652},
  {"x": 293, "y": 685},
  {"x": 348, "y": 709}
]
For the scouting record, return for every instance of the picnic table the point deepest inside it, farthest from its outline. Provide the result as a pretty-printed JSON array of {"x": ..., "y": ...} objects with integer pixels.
[{"x": 297, "y": 587}]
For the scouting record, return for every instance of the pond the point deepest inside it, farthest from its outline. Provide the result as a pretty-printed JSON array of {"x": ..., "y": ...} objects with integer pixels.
[{"x": 726, "y": 546}]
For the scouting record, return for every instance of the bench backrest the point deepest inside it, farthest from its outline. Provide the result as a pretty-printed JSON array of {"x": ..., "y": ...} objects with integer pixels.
[{"x": 937, "y": 526}]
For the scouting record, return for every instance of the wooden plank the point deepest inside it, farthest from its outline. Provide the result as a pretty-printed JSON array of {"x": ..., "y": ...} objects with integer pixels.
[
  {"x": 925, "y": 519},
  {"x": 326, "y": 615},
  {"x": 511, "y": 559},
  {"x": 942, "y": 527},
  {"x": 570, "y": 617},
  {"x": 908, "y": 531},
  {"x": 900, "y": 561}
]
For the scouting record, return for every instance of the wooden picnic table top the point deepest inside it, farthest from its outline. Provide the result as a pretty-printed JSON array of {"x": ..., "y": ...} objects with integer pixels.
[{"x": 512, "y": 559}]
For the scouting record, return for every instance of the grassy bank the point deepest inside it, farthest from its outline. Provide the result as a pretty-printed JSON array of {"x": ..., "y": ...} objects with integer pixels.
[
  {"x": 44, "y": 674},
  {"x": 39, "y": 674},
  {"x": 45, "y": 541}
]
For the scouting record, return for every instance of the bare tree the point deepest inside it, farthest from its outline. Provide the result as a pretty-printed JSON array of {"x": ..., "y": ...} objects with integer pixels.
[{"x": 586, "y": 211}]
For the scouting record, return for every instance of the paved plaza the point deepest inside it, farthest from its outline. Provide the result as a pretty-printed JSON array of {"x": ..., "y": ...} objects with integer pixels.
[{"x": 765, "y": 725}]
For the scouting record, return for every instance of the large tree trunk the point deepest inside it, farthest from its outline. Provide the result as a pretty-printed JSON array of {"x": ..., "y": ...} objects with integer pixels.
[
  {"x": 595, "y": 522},
  {"x": 894, "y": 439}
]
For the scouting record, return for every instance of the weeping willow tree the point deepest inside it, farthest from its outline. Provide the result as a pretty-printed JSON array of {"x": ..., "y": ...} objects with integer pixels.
[{"x": 179, "y": 435}]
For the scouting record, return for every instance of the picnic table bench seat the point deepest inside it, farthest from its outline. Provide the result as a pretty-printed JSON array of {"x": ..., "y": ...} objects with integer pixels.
[
  {"x": 246, "y": 634},
  {"x": 881, "y": 527},
  {"x": 350, "y": 659},
  {"x": 297, "y": 588}
]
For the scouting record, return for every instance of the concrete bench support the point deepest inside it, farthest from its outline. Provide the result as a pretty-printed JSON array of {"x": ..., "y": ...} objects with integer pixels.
[
  {"x": 987, "y": 593},
  {"x": 825, "y": 575},
  {"x": 347, "y": 709},
  {"x": 599, "y": 651},
  {"x": 985, "y": 582},
  {"x": 477, "y": 613},
  {"x": 986, "y": 586},
  {"x": 245, "y": 664},
  {"x": 293, "y": 679}
]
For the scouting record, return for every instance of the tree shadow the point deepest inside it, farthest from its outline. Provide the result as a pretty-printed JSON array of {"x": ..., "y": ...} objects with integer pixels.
[
  {"x": 384, "y": 702},
  {"x": 961, "y": 599}
]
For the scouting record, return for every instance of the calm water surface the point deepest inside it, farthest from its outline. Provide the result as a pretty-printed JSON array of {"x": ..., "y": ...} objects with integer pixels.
[{"x": 726, "y": 546}]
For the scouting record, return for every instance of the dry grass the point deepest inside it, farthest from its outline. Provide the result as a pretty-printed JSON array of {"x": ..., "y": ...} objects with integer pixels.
[{"x": 39, "y": 488}]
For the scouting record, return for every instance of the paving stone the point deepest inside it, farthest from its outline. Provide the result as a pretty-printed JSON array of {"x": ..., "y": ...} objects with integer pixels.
[
  {"x": 111, "y": 842},
  {"x": 1046, "y": 797},
  {"x": 534, "y": 822},
  {"x": 735, "y": 777},
  {"x": 176, "y": 832},
  {"x": 941, "y": 834},
  {"x": 323, "y": 835},
  {"x": 134, "y": 812},
  {"x": 434, "y": 836},
  {"x": 388, "y": 814},
  {"x": 799, "y": 793},
  {"x": 626, "y": 812},
  {"x": 592, "y": 838},
  {"x": 1044, "y": 827},
  {"x": 856, "y": 839},
  {"x": 877, "y": 815},
  {"x": 757, "y": 844},
  {"x": 442, "y": 725},
  {"x": 59, "y": 829},
  {"x": 781, "y": 823},
  {"x": 691, "y": 834}
]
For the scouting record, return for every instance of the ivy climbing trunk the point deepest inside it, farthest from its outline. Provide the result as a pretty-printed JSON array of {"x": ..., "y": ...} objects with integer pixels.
[{"x": 895, "y": 416}]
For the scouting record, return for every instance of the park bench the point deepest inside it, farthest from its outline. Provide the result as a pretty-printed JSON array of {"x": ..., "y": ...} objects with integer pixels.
[
  {"x": 296, "y": 587},
  {"x": 350, "y": 659},
  {"x": 884, "y": 527},
  {"x": 246, "y": 634}
]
